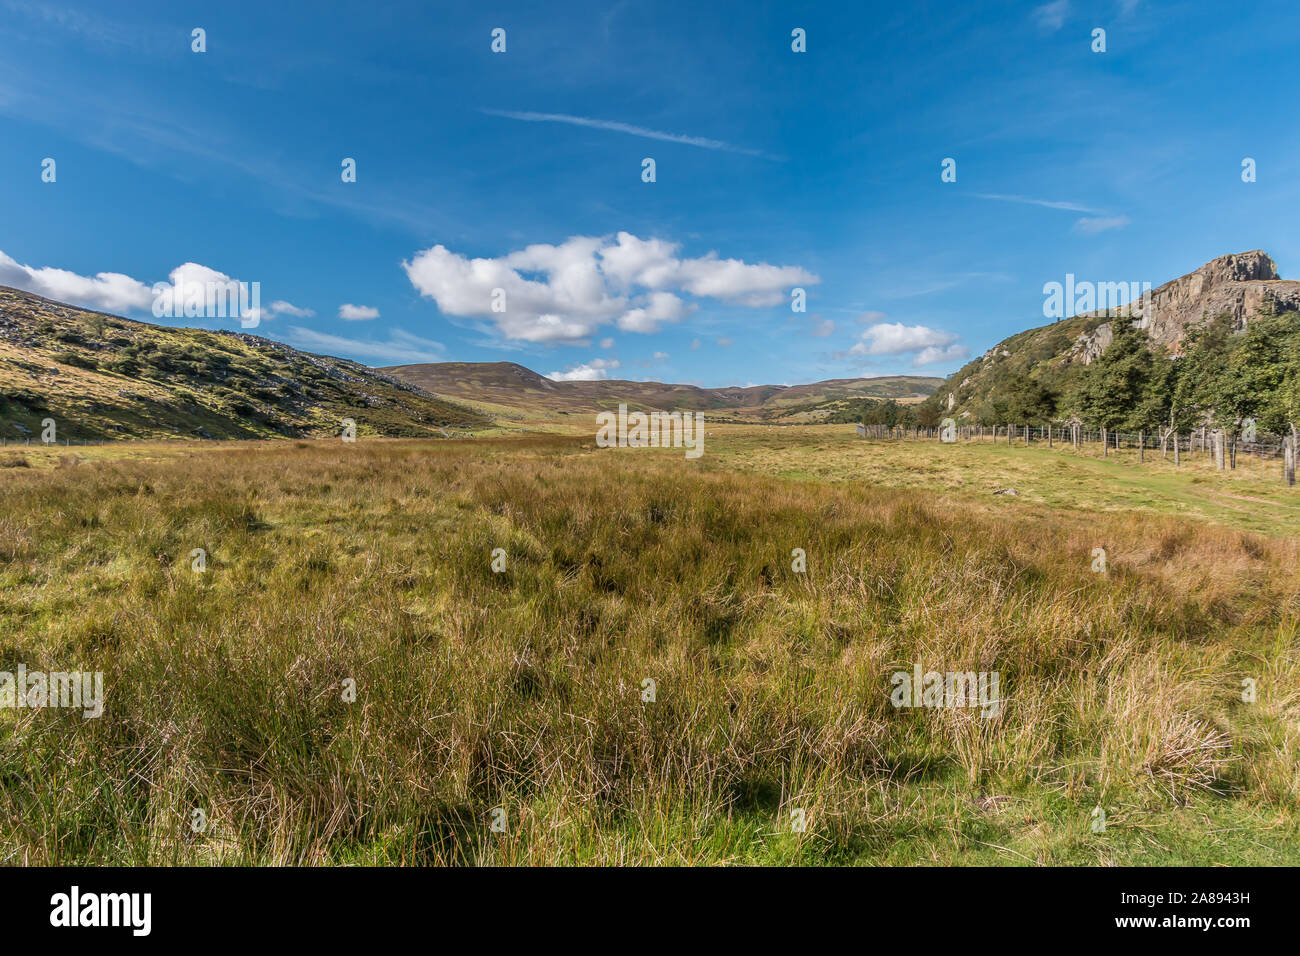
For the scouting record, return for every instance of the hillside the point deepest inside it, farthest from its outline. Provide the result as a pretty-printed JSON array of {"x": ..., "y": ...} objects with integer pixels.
[
  {"x": 507, "y": 386},
  {"x": 1239, "y": 286},
  {"x": 102, "y": 376}
]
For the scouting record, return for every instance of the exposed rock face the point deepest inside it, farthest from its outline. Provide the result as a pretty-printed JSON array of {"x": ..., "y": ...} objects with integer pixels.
[
  {"x": 1239, "y": 284},
  {"x": 1091, "y": 344}
]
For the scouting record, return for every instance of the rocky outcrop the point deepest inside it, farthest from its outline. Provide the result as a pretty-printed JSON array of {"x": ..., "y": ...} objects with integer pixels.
[
  {"x": 1091, "y": 344},
  {"x": 1240, "y": 284}
]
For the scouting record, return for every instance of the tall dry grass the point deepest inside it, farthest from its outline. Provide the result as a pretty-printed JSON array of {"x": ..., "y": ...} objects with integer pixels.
[{"x": 523, "y": 690}]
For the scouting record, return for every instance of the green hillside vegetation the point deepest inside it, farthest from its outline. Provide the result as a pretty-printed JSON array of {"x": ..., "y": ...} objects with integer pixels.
[
  {"x": 1221, "y": 379},
  {"x": 511, "y": 389},
  {"x": 99, "y": 376}
]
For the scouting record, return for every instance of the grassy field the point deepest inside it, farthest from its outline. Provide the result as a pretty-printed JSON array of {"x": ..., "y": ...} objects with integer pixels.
[{"x": 369, "y": 565}]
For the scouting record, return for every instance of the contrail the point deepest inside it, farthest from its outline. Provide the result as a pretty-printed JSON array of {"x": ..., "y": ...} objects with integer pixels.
[{"x": 700, "y": 141}]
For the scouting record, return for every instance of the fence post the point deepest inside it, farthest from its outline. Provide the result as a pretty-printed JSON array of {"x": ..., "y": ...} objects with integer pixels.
[
  {"x": 1288, "y": 460},
  {"x": 1142, "y": 446}
]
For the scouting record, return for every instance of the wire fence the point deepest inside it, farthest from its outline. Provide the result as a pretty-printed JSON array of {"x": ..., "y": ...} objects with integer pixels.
[{"x": 1223, "y": 448}]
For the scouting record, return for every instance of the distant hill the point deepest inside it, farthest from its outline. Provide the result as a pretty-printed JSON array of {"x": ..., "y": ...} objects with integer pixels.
[
  {"x": 508, "y": 387},
  {"x": 1240, "y": 286},
  {"x": 102, "y": 376}
]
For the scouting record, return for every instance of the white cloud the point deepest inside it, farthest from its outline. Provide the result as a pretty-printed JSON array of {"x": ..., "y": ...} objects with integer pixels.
[
  {"x": 592, "y": 371},
  {"x": 1095, "y": 224},
  {"x": 280, "y": 307},
  {"x": 662, "y": 307},
  {"x": 660, "y": 356},
  {"x": 400, "y": 348},
  {"x": 653, "y": 263},
  {"x": 868, "y": 318},
  {"x": 937, "y": 353},
  {"x": 606, "y": 343},
  {"x": 566, "y": 292},
  {"x": 895, "y": 338},
  {"x": 1051, "y": 16},
  {"x": 823, "y": 329},
  {"x": 115, "y": 292},
  {"x": 357, "y": 313},
  {"x": 107, "y": 291}
]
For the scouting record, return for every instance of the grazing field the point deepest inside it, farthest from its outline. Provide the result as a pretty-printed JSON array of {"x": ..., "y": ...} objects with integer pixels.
[{"x": 332, "y": 566}]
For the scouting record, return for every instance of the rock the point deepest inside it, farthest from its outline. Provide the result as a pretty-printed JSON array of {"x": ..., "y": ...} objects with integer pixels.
[
  {"x": 1239, "y": 284},
  {"x": 1006, "y": 491}
]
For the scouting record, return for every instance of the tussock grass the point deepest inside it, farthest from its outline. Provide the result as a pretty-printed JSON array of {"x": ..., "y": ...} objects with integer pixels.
[{"x": 475, "y": 690}]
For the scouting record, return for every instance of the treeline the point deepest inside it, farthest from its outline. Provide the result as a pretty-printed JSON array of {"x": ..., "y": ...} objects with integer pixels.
[
  {"x": 873, "y": 411},
  {"x": 1224, "y": 380}
]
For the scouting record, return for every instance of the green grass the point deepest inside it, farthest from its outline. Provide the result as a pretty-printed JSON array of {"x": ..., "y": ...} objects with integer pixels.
[
  {"x": 522, "y": 690},
  {"x": 1253, "y": 497}
]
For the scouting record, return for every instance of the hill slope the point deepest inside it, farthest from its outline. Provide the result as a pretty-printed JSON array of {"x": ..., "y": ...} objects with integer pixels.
[
  {"x": 1240, "y": 285},
  {"x": 101, "y": 376},
  {"x": 507, "y": 385}
]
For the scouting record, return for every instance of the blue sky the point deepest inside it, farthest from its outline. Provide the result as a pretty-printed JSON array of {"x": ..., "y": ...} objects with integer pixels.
[{"x": 522, "y": 171}]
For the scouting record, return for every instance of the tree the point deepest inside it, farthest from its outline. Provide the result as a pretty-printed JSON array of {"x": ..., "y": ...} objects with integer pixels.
[
  {"x": 1027, "y": 401},
  {"x": 1115, "y": 390}
]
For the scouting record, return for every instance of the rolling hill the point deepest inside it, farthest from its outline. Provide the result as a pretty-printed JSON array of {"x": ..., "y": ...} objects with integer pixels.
[
  {"x": 101, "y": 376},
  {"x": 506, "y": 387}
]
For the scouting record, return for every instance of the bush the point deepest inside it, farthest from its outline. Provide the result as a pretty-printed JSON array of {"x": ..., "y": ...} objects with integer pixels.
[{"x": 72, "y": 358}]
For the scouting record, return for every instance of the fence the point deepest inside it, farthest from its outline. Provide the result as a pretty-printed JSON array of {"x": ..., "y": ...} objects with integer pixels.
[
  {"x": 24, "y": 442},
  {"x": 1214, "y": 442}
]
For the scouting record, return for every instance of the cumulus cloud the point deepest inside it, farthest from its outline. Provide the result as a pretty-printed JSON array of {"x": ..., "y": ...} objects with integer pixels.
[
  {"x": 357, "y": 313},
  {"x": 108, "y": 291},
  {"x": 115, "y": 292},
  {"x": 895, "y": 338},
  {"x": 592, "y": 371},
  {"x": 661, "y": 307},
  {"x": 937, "y": 353},
  {"x": 565, "y": 293}
]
